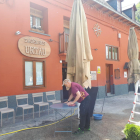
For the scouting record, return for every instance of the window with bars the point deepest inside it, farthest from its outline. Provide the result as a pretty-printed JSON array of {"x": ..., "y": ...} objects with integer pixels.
[
  {"x": 34, "y": 74},
  {"x": 111, "y": 53}
]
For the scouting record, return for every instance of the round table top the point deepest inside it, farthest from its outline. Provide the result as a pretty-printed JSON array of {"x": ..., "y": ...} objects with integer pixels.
[{"x": 62, "y": 106}]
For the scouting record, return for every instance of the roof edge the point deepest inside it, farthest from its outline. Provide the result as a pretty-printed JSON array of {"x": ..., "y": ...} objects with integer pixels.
[{"x": 113, "y": 10}]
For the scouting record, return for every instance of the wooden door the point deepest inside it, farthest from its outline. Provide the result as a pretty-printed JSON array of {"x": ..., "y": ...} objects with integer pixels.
[
  {"x": 64, "y": 75},
  {"x": 108, "y": 78}
]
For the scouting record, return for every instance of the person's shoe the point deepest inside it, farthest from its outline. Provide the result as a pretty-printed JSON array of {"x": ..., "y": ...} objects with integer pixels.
[
  {"x": 87, "y": 129},
  {"x": 79, "y": 131}
]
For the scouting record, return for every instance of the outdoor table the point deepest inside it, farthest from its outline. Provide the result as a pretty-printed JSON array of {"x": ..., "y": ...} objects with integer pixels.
[{"x": 68, "y": 109}]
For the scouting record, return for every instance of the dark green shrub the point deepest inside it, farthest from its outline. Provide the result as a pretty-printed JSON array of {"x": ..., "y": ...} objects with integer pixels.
[
  {"x": 132, "y": 132},
  {"x": 124, "y": 139}
]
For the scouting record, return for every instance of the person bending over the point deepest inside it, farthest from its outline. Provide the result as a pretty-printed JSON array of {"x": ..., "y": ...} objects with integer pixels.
[{"x": 80, "y": 95}]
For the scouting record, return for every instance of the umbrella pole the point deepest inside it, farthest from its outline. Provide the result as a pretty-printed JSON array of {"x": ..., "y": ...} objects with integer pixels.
[
  {"x": 103, "y": 105},
  {"x": 136, "y": 89}
]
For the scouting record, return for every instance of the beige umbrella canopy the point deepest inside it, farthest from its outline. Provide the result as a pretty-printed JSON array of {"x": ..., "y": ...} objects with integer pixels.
[
  {"x": 133, "y": 55},
  {"x": 79, "y": 52}
]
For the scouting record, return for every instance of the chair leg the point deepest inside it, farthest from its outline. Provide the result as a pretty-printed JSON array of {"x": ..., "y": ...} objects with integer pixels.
[
  {"x": 48, "y": 109},
  {"x": 33, "y": 113},
  {"x": 1, "y": 119},
  {"x": 44, "y": 108},
  {"x": 53, "y": 110},
  {"x": 13, "y": 116},
  {"x": 7, "y": 116},
  {"x": 39, "y": 110},
  {"x": 16, "y": 110},
  {"x": 23, "y": 114}
]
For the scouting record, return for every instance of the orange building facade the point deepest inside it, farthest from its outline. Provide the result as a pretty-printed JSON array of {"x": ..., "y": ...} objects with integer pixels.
[{"x": 108, "y": 34}]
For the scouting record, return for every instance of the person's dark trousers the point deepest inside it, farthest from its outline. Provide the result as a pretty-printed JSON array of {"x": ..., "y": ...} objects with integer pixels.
[{"x": 85, "y": 114}]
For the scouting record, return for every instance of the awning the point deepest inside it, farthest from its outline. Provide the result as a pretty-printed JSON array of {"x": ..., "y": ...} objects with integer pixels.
[{"x": 126, "y": 65}]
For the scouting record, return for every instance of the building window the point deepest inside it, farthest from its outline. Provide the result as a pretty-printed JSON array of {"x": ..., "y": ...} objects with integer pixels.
[
  {"x": 117, "y": 73},
  {"x": 64, "y": 37},
  {"x": 36, "y": 20},
  {"x": 111, "y": 53},
  {"x": 34, "y": 74},
  {"x": 66, "y": 30}
]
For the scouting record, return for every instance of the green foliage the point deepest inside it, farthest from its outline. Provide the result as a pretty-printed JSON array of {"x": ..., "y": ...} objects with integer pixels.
[
  {"x": 138, "y": 12},
  {"x": 132, "y": 132}
]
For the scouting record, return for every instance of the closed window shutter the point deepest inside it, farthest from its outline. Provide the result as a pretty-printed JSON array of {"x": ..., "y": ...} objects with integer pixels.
[{"x": 36, "y": 13}]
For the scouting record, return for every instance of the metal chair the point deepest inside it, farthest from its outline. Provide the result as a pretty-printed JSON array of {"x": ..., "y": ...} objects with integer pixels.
[
  {"x": 41, "y": 103},
  {"x": 54, "y": 101},
  {"x": 6, "y": 109},
  {"x": 24, "y": 106}
]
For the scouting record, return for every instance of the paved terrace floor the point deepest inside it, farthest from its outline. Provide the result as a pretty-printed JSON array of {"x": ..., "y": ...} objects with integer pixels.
[{"x": 115, "y": 116}]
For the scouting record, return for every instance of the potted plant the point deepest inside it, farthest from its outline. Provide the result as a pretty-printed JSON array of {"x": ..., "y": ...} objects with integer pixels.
[
  {"x": 34, "y": 27},
  {"x": 39, "y": 28},
  {"x": 132, "y": 132}
]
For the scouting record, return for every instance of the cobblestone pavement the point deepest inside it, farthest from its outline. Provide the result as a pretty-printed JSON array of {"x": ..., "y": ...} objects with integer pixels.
[{"x": 116, "y": 113}]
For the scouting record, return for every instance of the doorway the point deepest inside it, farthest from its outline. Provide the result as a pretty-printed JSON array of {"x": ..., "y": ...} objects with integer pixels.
[
  {"x": 109, "y": 79},
  {"x": 64, "y": 76}
]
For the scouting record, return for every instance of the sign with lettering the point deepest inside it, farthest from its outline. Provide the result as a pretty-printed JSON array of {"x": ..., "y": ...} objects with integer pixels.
[
  {"x": 93, "y": 75},
  {"x": 125, "y": 74},
  {"x": 34, "y": 47},
  {"x": 98, "y": 70}
]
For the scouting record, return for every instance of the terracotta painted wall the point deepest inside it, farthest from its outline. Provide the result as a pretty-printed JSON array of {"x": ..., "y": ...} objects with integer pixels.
[{"x": 15, "y": 16}]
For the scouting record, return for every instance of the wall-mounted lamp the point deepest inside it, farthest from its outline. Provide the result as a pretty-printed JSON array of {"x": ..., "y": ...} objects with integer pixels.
[
  {"x": 60, "y": 61},
  {"x": 50, "y": 40},
  {"x": 96, "y": 49},
  {"x": 18, "y": 33}
]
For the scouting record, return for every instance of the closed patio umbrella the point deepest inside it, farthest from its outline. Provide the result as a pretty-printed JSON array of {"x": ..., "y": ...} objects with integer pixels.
[
  {"x": 79, "y": 52},
  {"x": 133, "y": 55}
]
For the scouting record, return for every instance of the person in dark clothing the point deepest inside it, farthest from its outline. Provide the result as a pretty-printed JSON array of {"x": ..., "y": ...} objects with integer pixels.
[{"x": 80, "y": 95}]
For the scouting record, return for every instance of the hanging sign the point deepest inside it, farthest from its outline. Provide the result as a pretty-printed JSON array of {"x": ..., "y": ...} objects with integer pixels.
[
  {"x": 98, "y": 70},
  {"x": 34, "y": 47},
  {"x": 93, "y": 75}
]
